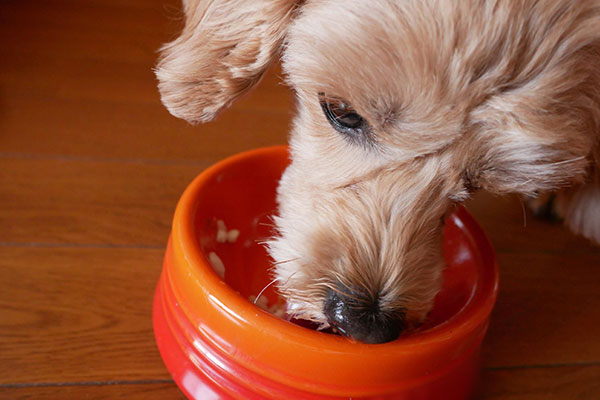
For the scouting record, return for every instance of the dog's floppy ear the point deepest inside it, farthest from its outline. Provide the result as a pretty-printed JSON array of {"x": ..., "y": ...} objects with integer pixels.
[{"x": 223, "y": 51}]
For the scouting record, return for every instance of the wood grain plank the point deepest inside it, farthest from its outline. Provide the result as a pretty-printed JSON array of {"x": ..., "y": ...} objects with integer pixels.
[
  {"x": 548, "y": 311},
  {"x": 550, "y": 383},
  {"x": 141, "y": 391},
  {"x": 102, "y": 130},
  {"x": 511, "y": 227},
  {"x": 89, "y": 202},
  {"x": 78, "y": 315}
]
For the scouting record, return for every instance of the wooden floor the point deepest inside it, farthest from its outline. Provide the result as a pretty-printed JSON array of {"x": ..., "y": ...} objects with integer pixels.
[{"x": 91, "y": 167}]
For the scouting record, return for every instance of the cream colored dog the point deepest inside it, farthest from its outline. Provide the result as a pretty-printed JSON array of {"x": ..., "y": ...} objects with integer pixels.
[{"x": 405, "y": 108}]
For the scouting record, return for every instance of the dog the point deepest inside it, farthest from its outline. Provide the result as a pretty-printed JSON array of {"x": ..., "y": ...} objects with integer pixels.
[{"x": 405, "y": 108}]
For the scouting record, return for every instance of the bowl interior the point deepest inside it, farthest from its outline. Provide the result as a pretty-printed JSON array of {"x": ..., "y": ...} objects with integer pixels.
[{"x": 242, "y": 193}]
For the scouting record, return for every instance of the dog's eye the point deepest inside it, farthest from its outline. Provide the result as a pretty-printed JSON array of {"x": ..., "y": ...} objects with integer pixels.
[{"x": 342, "y": 117}]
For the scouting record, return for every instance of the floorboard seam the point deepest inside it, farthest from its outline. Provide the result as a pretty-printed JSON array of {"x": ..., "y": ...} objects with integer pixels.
[
  {"x": 86, "y": 383},
  {"x": 542, "y": 366},
  {"x": 84, "y": 245}
]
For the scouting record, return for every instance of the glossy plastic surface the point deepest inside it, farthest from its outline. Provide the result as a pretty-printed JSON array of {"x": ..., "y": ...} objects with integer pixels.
[{"x": 218, "y": 345}]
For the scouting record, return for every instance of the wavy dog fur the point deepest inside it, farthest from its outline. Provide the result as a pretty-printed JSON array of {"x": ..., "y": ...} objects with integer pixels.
[
  {"x": 223, "y": 51},
  {"x": 502, "y": 95}
]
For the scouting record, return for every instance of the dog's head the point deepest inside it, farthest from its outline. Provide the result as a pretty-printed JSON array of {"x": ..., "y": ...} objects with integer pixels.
[{"x": 405, "y": 108}]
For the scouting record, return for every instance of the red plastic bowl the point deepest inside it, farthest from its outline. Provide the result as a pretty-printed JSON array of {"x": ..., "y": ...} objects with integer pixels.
[{"x": 218, "y": 345}]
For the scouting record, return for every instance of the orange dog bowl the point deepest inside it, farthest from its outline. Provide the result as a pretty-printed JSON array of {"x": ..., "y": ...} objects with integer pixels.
[{"x": 218, "y": 345}]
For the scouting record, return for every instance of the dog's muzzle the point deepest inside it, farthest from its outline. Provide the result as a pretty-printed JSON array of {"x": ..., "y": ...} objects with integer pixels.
[{"x": 361, "y": 317}]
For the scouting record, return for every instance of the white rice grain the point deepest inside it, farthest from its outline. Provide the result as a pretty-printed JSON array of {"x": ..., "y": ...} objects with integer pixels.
[
  {"x": 232, "y": 235},
  {"x": 224, "y": 235},
  {"x": 221, "y": 232},
  {"x": 217, "y": 264}
]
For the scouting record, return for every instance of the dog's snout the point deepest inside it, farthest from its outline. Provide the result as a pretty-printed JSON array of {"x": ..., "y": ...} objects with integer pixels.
[{"x": 361, "y": 317}]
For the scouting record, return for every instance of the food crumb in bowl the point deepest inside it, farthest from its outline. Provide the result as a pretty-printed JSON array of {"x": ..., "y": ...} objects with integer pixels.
[
  {"x": 232, "y": 235},
  {"x": 224, "y": 235},
  {"x": 217, "y": 264}
]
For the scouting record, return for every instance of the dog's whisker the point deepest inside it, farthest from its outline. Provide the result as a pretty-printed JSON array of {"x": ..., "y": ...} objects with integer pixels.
[
  {"x": 275, "y": 263},
  {"x": 270, "y": 225},
  {"x": 265, "y": 288},
  {"x": 265, "y": 241},
  {"x": 272, "y": 282}
]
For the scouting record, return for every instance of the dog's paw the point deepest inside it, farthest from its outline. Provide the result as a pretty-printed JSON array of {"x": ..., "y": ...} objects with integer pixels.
[
  {"x": 549, "y": 206},
  {"x": 578, "y": 207}
]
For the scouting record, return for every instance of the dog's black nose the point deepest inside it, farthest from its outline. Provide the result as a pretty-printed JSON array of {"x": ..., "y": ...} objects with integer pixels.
[{"x": 361, "y": 317}]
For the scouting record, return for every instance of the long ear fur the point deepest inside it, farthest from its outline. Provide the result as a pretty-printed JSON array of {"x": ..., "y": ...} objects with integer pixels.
[
  {"x": 542, "y": 124},
  {"x": 223, "y": 51}
]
